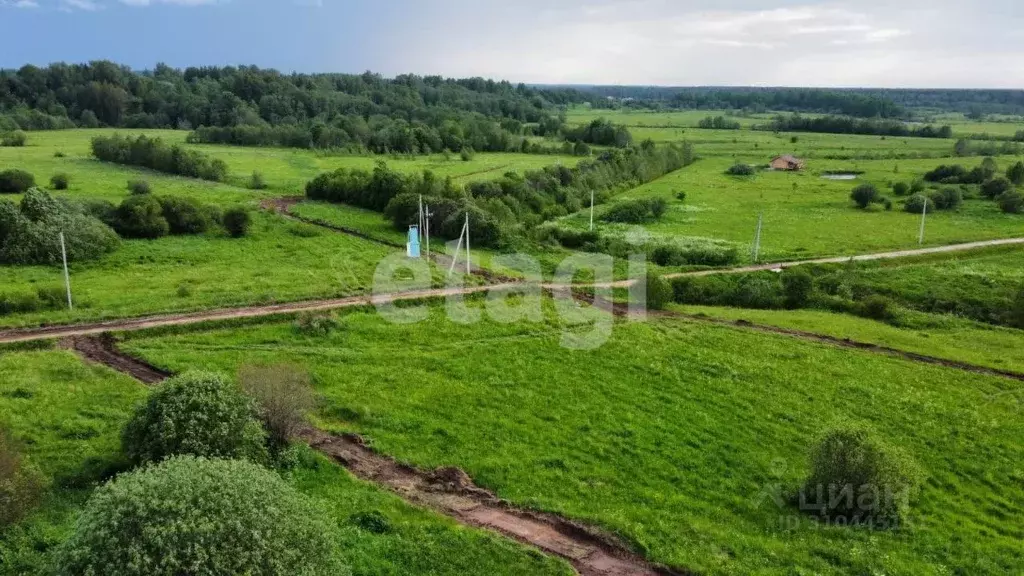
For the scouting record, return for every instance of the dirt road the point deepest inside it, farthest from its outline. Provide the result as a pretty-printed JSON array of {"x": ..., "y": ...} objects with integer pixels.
[{"x": 64, "y": 331}]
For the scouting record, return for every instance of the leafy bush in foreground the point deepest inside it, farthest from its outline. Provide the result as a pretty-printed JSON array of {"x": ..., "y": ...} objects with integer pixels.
[
  {"x": 16, "y": 181},
  {"x": 30, "y": 232},
  {"x": 197, "y": 413},
  {"x": 190, "y": 515},
  {"x": 855, "y": 478}
]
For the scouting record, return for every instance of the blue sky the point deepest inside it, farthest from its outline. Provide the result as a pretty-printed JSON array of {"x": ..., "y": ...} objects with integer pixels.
[{"x": 917, "y": 43}]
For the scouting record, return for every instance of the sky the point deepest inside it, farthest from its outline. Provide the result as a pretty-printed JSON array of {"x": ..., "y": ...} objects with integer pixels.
[{"x": 876, "y": 43}]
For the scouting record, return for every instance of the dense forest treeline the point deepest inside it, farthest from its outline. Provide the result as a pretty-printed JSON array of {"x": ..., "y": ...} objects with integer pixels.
[
  {"x": 753, "y": 99},
  {"x": 846, "y": 125},
  {"x": 861, "y": 102},
  {"x": 499, "y": 210},
  {"x": 404, "y": 114}
]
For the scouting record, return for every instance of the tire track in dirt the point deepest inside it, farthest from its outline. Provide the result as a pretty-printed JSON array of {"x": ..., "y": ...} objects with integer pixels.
[{"x": 447, "y": 490}]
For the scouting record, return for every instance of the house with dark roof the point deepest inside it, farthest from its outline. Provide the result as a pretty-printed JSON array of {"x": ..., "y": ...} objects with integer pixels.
[{"x": 787, "y": 162}]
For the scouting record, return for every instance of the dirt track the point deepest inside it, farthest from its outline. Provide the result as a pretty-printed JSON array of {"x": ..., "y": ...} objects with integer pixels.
[{"x": 64, "y": 331}]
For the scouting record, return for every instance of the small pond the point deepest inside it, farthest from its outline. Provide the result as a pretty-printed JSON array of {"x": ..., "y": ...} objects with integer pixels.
[{"x": 840, "y": 176}]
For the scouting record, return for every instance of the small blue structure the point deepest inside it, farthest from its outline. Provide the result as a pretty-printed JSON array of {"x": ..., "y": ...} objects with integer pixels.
[{"x": 412, "y": 247}]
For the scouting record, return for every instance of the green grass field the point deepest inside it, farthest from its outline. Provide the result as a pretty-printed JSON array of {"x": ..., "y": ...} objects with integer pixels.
[
  {"x": 962, "y": 127},
  {"x": 806, "y": 215},
  {"x": 69, "y": 415},
  {"x": 279, "y": 261},
  {"x": 285, "y": 170},
  {"x": 949, "y": 338},
  {"x": 668, "y": 435}
]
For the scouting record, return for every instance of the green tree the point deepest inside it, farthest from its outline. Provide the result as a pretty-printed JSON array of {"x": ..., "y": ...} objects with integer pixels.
[
  {"x": 191, "y": 515},
  {"x": 1015, "y": 173},
  {"x": 196, "y": 413},
  {"x": 864, "y": 195},
  {"x": 995, "y": 187},
  {"x": 141, "y": 216}
]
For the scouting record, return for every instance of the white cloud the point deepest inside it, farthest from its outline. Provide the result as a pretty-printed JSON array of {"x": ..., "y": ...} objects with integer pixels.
[
  {"x": 721, "y": 42},
  {"x": 87, "y": 5}
]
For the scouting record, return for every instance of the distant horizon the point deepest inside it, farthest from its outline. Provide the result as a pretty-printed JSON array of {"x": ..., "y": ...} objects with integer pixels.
[
  {"x": 916, "y": 44},
  {"x": 576, "y": 85}
]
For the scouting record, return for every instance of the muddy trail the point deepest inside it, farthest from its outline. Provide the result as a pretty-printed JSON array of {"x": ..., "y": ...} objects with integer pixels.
[
  {"x": 447, "y": 490},
  {"x": 282, "y": 206},
  {"x": 103, "y": 350}
]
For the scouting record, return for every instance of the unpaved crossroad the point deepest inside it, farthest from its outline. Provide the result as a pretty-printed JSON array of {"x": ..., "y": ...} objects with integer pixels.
[{"x": 64, "y": 331}]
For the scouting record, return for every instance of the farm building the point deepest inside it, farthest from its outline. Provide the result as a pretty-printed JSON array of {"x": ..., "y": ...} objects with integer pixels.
[{"x": 787, "y": 162}]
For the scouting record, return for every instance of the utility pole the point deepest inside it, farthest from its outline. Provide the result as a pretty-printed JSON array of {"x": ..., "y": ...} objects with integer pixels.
[
  {"x": 419, "y": 230},
  {"x": 468, "y": 270},
  {"x": 67, "y": 277},
  {"x": 458, "y": 248},
  {"x": 920, "y": 236},
  {"x": 591, "y": 210},
  {"x": 757, "y": 237},
  {"x": 426, "y": 222}
]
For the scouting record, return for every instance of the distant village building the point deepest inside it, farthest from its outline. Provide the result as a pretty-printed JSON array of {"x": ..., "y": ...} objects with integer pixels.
[{"x": 787, "y": 162}]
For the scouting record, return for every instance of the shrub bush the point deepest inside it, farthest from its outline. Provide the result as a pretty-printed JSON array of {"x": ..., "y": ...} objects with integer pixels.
[
  {"x": 184, "y": 215},
  {"x": 316, "y": 324},
  {"x": 695, "y": 255},
  {"x": 59, "y": 181},
  {"x": 636, "y": 211},
  {"x": 900, "y": 189},
  {"x": 15, "y": 138},
  {"x": 877, "y": 307},
  {"x": 157, "y": 155},
  {"x": 139, "y": 187},
  {"x": 659, "y": 292},
  {"x": 197, "y": 516},
  {"x": 196, "y": 413},
  {"x": 1011, "y": 202},
  {"x": 916, "y": 203},
  {"x": 283, "y": 396},
  {"x": 29, "y": 232},
  {"x": 16, "y": 181},
  {"x": 864, "y": 195},
  {"x": 1015, "y": 173},
  {"x": 948, "y": 198},
  {"x": 1016, "y": 315},
  {"x": 996, "y": 187},
  {"x": 757, "y": 291},
  {"x": 256, "y": 181},
  {"x": 21, "y": 483},
  {"x": 855, "y": 478},
  {"x": 797, "y": 287},
  {"x": 237, "y": 222},
  {"x": 141, "y": 216},
  {"x": 741, "y": 170}
]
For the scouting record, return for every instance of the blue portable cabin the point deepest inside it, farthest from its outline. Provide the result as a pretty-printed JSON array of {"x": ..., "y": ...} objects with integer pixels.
[{"x": 412, "y": 246}]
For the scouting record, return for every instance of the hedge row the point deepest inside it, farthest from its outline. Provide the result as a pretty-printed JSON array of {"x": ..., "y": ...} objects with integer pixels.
[{"x": 155, "y": 154}]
